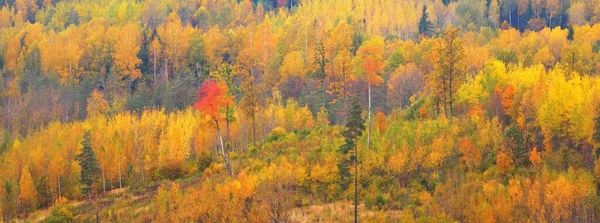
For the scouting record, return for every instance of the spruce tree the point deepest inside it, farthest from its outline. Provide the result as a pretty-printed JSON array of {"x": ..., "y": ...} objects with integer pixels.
[
  {"x": 89, "y": 164},
  {"x": 425, "y": 26},
  {"x": 596, "y": 136},
  {"x": 355, "y": 126}
]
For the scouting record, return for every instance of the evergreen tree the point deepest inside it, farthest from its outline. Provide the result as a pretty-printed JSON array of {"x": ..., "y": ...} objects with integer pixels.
[
  {"x": 425, "y": 26},
  {"x": 89, "y": 164},
  {"x": 320, "y": 64},
  {"x": 513, "y": 139},
  {"x": 354, "y": 129},
  {"x": 571, "y": 33},
  {"x": 596, "y": 135},
  {"x": 446, "y": 2}
]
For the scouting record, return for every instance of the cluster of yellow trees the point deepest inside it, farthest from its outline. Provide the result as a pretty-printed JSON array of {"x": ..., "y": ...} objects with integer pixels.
[{"x": 131, "y": 148}]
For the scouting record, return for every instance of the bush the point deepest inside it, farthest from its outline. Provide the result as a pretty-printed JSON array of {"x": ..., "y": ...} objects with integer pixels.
[{"x": 59, "y": 214}]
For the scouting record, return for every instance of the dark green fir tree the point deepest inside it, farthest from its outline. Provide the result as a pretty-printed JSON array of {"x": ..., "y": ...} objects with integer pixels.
[
  {"x": 355, "y": 126},
  {"x": 89, "y": 164},
  {"x": 425, "y": 26}
]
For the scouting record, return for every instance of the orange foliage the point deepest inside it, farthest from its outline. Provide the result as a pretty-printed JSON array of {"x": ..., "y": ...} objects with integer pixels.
[
  {"x": 471, "y": 156},
  {"x": 504, "y": 162},
  {"x": 507, "y": 98},
  {"x": 380, "y": 121},
  {"x": 535, "y": 158}
]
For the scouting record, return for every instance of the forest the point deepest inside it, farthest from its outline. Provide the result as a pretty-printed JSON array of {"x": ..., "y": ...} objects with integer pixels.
[{"x": 299, "y": 110}]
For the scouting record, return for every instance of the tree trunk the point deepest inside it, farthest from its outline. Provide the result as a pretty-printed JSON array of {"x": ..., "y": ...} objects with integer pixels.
[
  {"x": 253, "y": 128},
  {"x": 225, "y": 157},
  {"x": 154, "y": 66},
  {"x": 58, "y": 177},
  {"x": 344, "y": 94},
  {"x": 323, "y": 91},
  {"x": 450, "y": 96},
  {"x": 369, "y": 118},
  {"x": 166, "y": 71},
  {"x": 120, "y": 178},
  {"x": 97, "y": 211},
  {"x": 355, "y": 183},
  {"x": 103, "y": 182},
  {"x": 227, "y": 129}
]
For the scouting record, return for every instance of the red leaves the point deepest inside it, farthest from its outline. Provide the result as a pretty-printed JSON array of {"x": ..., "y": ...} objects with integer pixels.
[{"x": 211, "y": 98}]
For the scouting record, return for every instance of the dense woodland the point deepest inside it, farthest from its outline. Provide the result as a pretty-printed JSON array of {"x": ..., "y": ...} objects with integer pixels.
[{"x": 283, "y": 110}]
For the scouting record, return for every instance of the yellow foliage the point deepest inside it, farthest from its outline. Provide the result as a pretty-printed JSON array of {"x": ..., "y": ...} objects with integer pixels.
[
  {"x": 126, "y": 50},
  {"x": 97, "y": 105},
  {"x": 27, "y": 191}
]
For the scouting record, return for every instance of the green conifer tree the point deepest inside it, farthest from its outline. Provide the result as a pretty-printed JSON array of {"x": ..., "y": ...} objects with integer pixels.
[
  {"x": 425, "y": 26},
  {"x": 89, "y": 164},
  {"x": 355, "y": 126}
]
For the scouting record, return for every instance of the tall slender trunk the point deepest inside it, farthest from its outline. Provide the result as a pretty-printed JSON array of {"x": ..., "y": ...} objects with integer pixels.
[
  {"x": 227, "y": 130},
  {"x": 166, "y": 71},
  {"x": 225, "y": 157},
  {"x": 444, "y": 97},
  {"x": 253, "y": 128},
  {"x": 323, "y": 91},
  {"x": 450, "y": 95},
  {"x": 355, "y": 183},
  {"x": 97, "y": 210},
  {"x": 58, "y": 180},
  {"x": 344, "y": 94},
  {"x": 369, "y": 118},
  {"x": 120, "y": 178},
  {"x": 154, "y": 65},
  {"x": 103, "y": 182}
]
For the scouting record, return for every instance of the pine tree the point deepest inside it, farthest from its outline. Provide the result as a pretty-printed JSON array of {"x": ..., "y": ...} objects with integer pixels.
[
  {"x": 425, "y": 26},
  {"x": 354, "y": 129},
  {"x": 89, "y": 164}
]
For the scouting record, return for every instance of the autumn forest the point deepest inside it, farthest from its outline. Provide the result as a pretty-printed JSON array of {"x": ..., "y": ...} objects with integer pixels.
[{"x": 299, "y": 111}]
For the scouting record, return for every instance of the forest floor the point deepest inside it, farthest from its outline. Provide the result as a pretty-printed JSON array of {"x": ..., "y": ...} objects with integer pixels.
[{"x": 115, "y": 204}]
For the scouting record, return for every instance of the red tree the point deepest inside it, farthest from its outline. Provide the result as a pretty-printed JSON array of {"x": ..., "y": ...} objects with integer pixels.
[{"x": 211, "y": 99}]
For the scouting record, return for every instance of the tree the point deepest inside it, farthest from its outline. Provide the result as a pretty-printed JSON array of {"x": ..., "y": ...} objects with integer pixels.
[
  {"x": 250, "y": 102},
  {"x": 504, "y": 162},
  {"x": 355, "y": 125},
  {"x": 514, "y": 141},
  {"x": 535, "y": 158},
  {"x": 507, "y": 99},
  {"x": 89, "y": 165},
  {"x": 292, "y": 65},
  {"x": 175, "y": 39},
  {"x": 155, "y": 53},
  {"x": 425, "y": 26},
  {"x": 369, "y": 61},
  {"x": 470, "y": 154},
  {"x": 320, "y": 62},
  {"x": 97, "y": 105},
  {"x": 5, "y": 17},
  {"x": 338, "y": 47},
  {"x": 596, "y": 136},
  {"x": 215, "y": 46},
  {"x": 449, "y": 68},
  {"x": 126, "y": 50},
  {"x": 27, "y": 191},
  {"x": 211, "y": 99}
]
